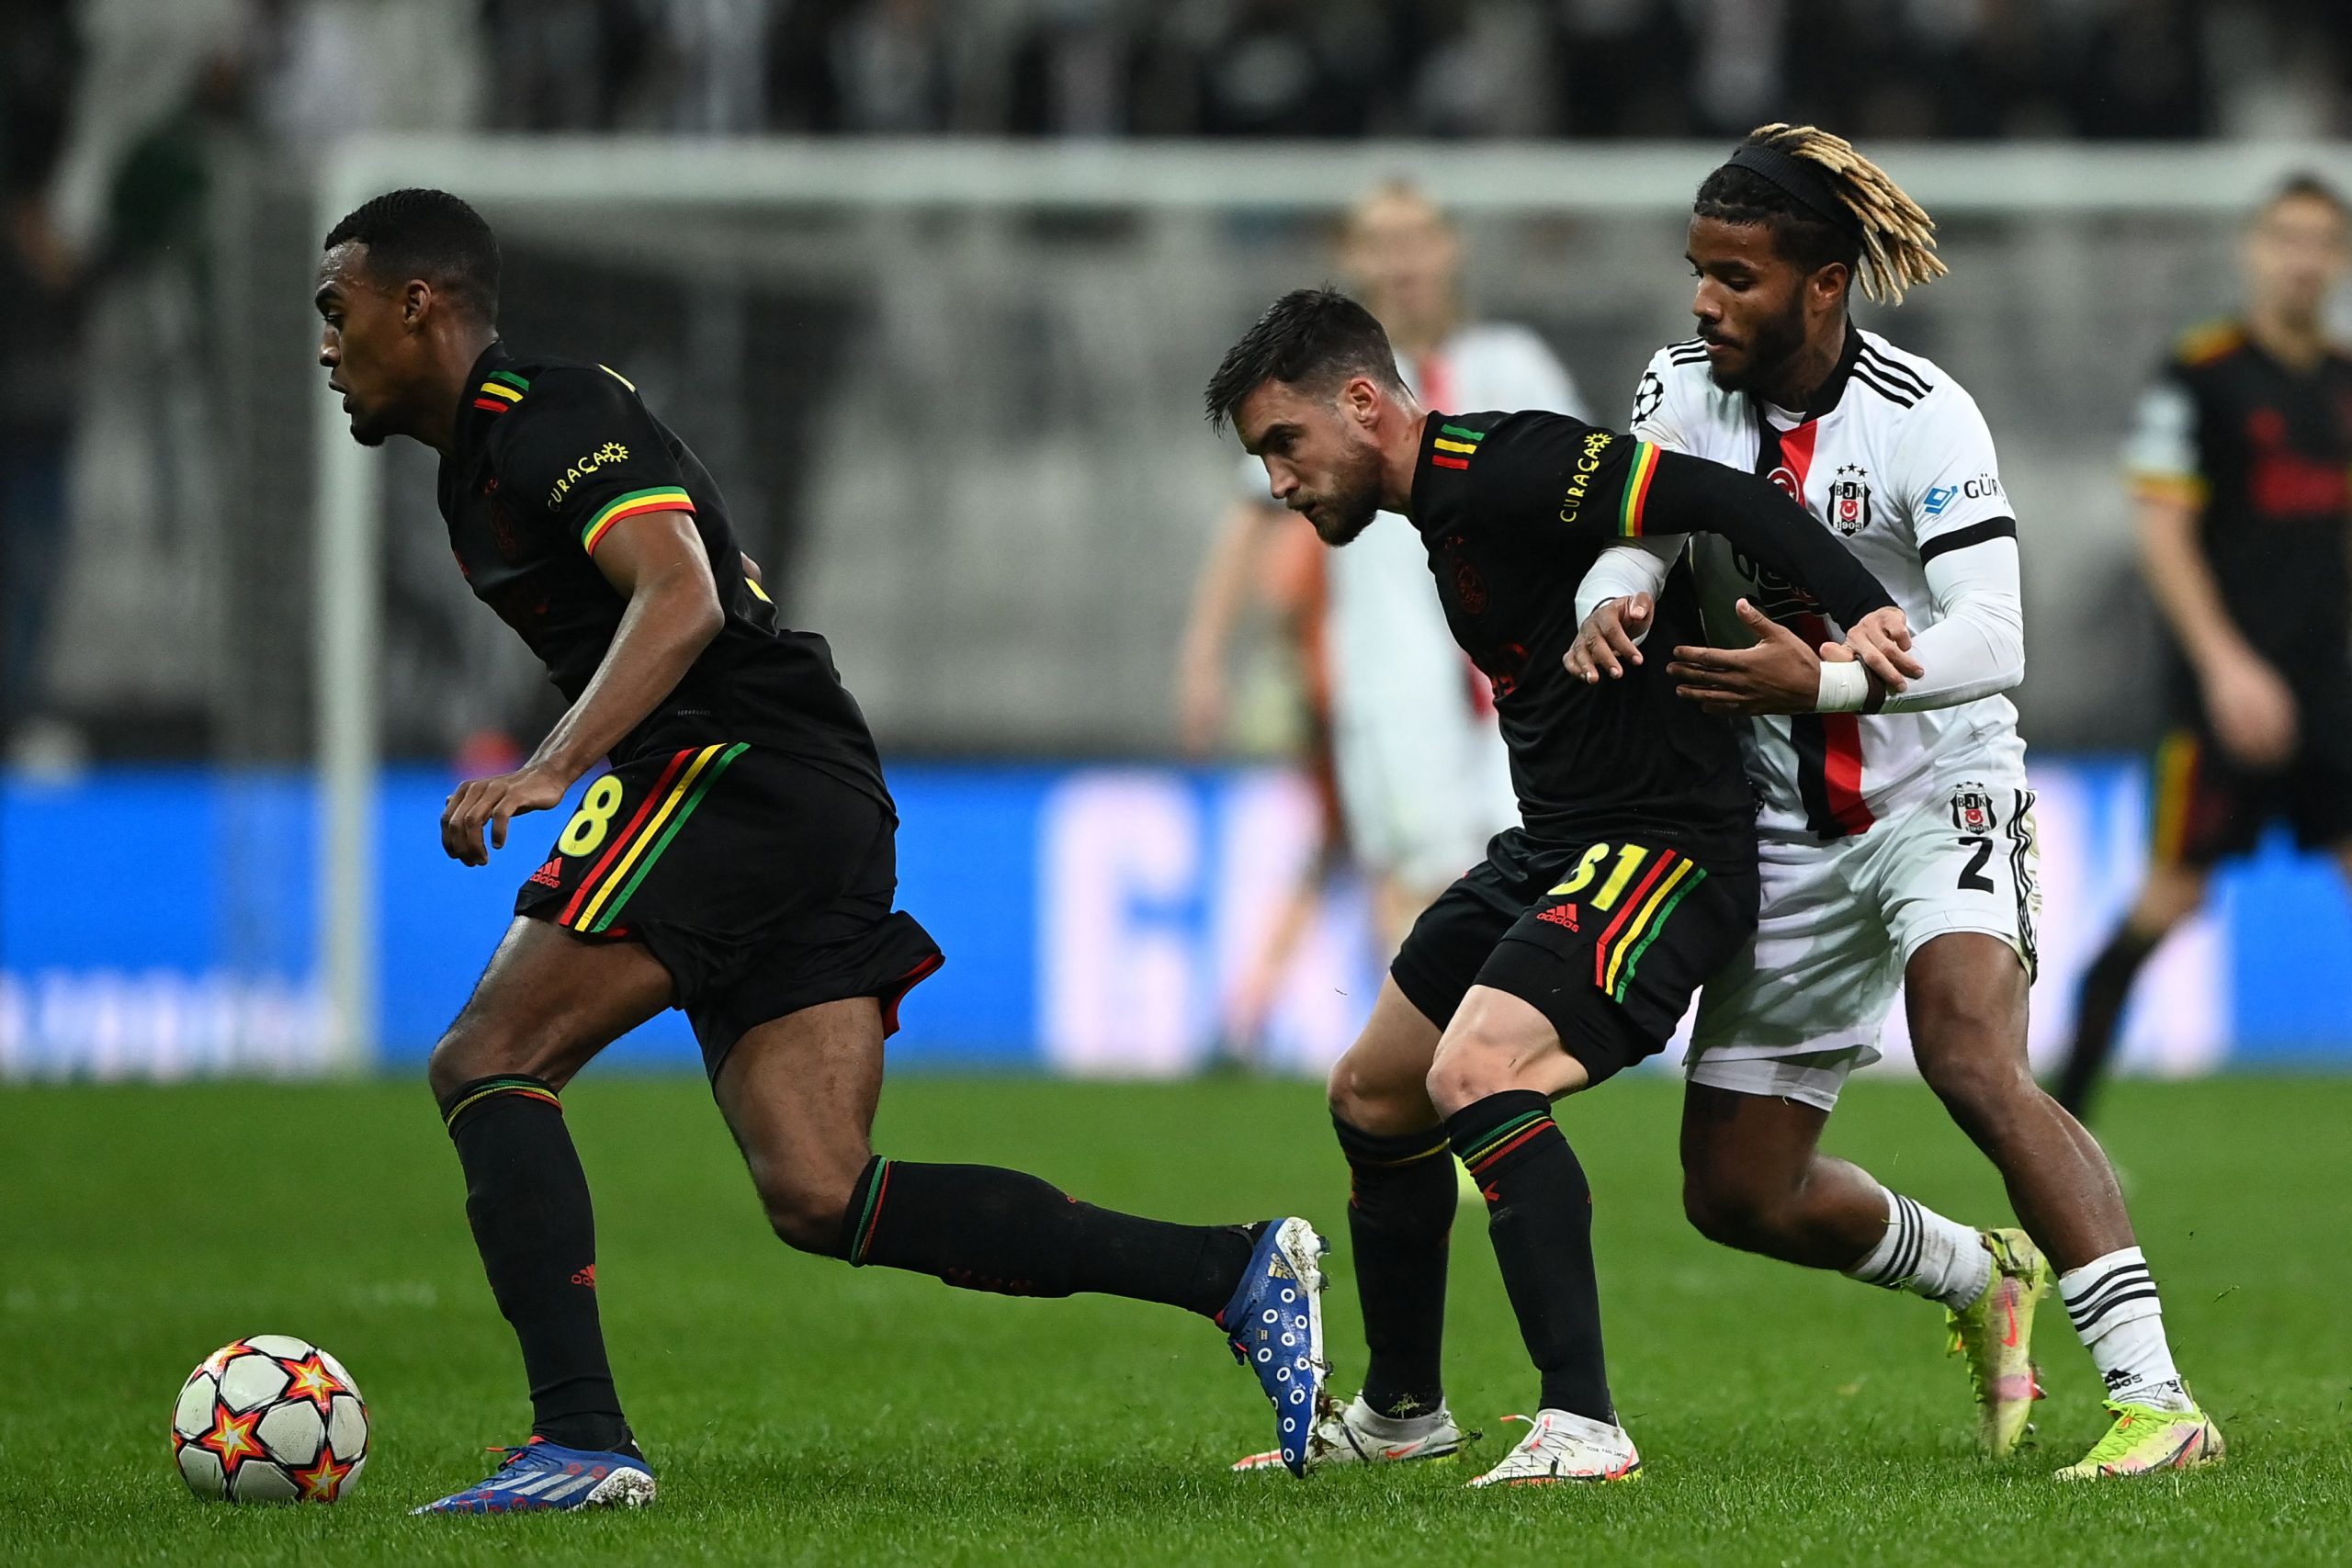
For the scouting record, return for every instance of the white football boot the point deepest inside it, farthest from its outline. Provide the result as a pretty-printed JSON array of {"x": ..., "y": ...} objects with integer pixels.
[
  {"x": 1560, "y": 1447},
  {"x": 1360, "y": 1435}
]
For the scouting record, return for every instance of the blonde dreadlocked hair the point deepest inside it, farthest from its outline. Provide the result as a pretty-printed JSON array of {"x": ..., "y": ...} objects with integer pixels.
[{"x": 1833, "y": 205}]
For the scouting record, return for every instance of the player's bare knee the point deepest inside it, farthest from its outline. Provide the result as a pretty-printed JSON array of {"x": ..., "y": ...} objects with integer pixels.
[
  {"x": 1984, "y": 1089},
  {"x": 1373, "y": 1100},
  {"x": 475, "y": 1047},
  {"x": 463, "y": 1054},
  {"x": 1468, "y": 1068},
  {"x": 1729, "y": 1210},
  {"x": 805, "y": 1207}
]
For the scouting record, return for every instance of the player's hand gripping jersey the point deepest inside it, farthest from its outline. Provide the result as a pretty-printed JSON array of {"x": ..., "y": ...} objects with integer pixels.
[
  {"x": 1895, "y": 458},
  {"x": 1513, "y": 509},
  {"x": 1635, "y": 876}
]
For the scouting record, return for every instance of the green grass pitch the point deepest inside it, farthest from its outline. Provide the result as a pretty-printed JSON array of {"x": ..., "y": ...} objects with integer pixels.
[{"x": 801, "y": 1412}]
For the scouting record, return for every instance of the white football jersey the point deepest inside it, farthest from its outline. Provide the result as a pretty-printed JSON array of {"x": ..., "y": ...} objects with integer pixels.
[{"x": 1896, "y": 460}]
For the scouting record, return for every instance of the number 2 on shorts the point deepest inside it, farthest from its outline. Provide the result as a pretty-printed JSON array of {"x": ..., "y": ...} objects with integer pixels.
[
  {"x": 1629, "y": 859},
  {"x": 593, "y": 819}
]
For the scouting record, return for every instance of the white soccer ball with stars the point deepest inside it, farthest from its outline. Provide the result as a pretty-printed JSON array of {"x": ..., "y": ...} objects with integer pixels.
[{"x": 270, "y": 1419}]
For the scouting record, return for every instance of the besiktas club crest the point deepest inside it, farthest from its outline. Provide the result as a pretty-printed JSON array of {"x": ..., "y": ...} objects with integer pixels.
[{"x": 1849, "y": 500}]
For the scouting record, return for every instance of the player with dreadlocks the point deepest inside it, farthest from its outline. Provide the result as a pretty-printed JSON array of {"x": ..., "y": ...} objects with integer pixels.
[{"x": 1896, "y": 837}]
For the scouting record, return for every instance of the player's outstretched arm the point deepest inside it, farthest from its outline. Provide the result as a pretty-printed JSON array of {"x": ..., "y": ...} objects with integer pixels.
[{"x": 656, "y": 560}]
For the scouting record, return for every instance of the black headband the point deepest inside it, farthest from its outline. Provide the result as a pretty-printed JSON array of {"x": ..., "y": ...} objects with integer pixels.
[{"x": 1803, "y": 180}]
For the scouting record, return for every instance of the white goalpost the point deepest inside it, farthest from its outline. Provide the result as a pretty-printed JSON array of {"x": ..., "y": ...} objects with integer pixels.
[{"x": 658, "y": 182}]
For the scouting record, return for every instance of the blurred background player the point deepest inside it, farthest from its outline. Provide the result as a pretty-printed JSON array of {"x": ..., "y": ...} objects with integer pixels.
[
  {"x": 2241, "y": 470},
  {"x": 1402, "y": 738}
]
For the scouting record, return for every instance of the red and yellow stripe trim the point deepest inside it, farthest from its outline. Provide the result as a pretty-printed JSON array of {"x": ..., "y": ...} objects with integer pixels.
[
  {"x": 1455, "y": 445},
  {"x": 1648, "y": 924},
  {"x": 1510, "y": 1135},
  {"x": 875, "y": 1190},
  {"x": 1618, "y": 951},
  {"x": 661, "y": 498},
  {"x": 529, "y": 1089},
  {"x": 605, "y": 890},
  {"x": 1637, "y": 491},
  {"x": 1416, "y": 1158},
  {"x": 2187, "y": 490},
  {"x": 2177, "y": 760},
  {"x": 501, "y": 392}
]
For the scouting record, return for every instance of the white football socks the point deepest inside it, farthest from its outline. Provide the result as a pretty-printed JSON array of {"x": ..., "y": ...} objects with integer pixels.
[
  {"x": 1928, "y": 1255},
  {"x": 2112, "y": 1300}
]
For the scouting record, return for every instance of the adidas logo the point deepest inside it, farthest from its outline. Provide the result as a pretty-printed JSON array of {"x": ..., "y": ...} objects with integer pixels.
[
  {"x": 550, "y": 874},
  {"x": 1560, "y": 915},
  {"x": 586, "y": 1277}
]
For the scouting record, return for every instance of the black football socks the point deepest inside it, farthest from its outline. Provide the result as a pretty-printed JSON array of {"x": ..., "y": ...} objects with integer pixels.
[
  {"x": 986, "y": 1229},
  {"x": 2099, "y": 1010},
  {"x": 528, "y": 1200},
  {"x": 1538, "y": 1210},
  {"x": 1401, "y": 1198}
]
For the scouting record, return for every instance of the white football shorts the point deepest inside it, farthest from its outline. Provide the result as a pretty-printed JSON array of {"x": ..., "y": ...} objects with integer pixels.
[
  {"x": 1424, "y": 791},
  {"x": 1802, "y": 1007}
]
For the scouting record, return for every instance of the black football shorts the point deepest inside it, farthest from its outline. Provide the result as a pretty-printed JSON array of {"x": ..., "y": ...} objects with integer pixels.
[
  {"x": 1608, "y": 939},
  {"x": 762, "y": 884},
  {"x": 2207, "y": 807}
]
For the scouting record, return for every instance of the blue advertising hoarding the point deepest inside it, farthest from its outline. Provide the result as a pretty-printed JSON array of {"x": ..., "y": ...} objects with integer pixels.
[{"x": 160, "y": 923}]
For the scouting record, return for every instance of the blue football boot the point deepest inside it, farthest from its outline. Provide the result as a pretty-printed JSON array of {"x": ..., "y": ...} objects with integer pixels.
[
  {"x": 542, "y": 1474},
  {"x": 1275, "y": 1323}
]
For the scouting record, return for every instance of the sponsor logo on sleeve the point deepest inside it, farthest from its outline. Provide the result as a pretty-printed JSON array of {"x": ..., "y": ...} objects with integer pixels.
[
  {"x": 604, "y": 457},
  {"x": 1572, "y": 504},
  {"x": 1984, "y": 487}
]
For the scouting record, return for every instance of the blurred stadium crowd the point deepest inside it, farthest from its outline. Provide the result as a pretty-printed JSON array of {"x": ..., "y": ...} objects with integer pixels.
[
  {"x": 119, "y": 120},
  {"x": 1437, "y": 68}
]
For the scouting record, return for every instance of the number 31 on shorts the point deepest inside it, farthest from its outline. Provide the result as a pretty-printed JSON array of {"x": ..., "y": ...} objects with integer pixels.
[{"x": 1619, "y": 872}]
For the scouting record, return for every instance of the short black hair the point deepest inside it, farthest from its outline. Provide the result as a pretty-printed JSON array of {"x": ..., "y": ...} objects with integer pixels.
[
  {"x": 2305, "y": 185},
  {"x": 1308, "y": 337},
  {"x": 428, "y": 234},
  {"x": 1800, "y": 235}
]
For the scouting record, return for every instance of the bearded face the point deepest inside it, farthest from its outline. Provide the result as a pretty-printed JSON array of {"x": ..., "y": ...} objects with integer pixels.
[{"x": 1321, "y": 460}]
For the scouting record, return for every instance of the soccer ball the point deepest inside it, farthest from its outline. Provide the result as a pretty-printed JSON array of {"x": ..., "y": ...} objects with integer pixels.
[{"x": 270, "y": 1419}]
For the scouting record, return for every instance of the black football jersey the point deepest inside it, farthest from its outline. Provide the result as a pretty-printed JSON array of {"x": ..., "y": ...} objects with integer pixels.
[
  {"x": 1514, "y": 508},
  {"x": 2265, "y": 452},
  {"x": 551, "y": 458}
]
